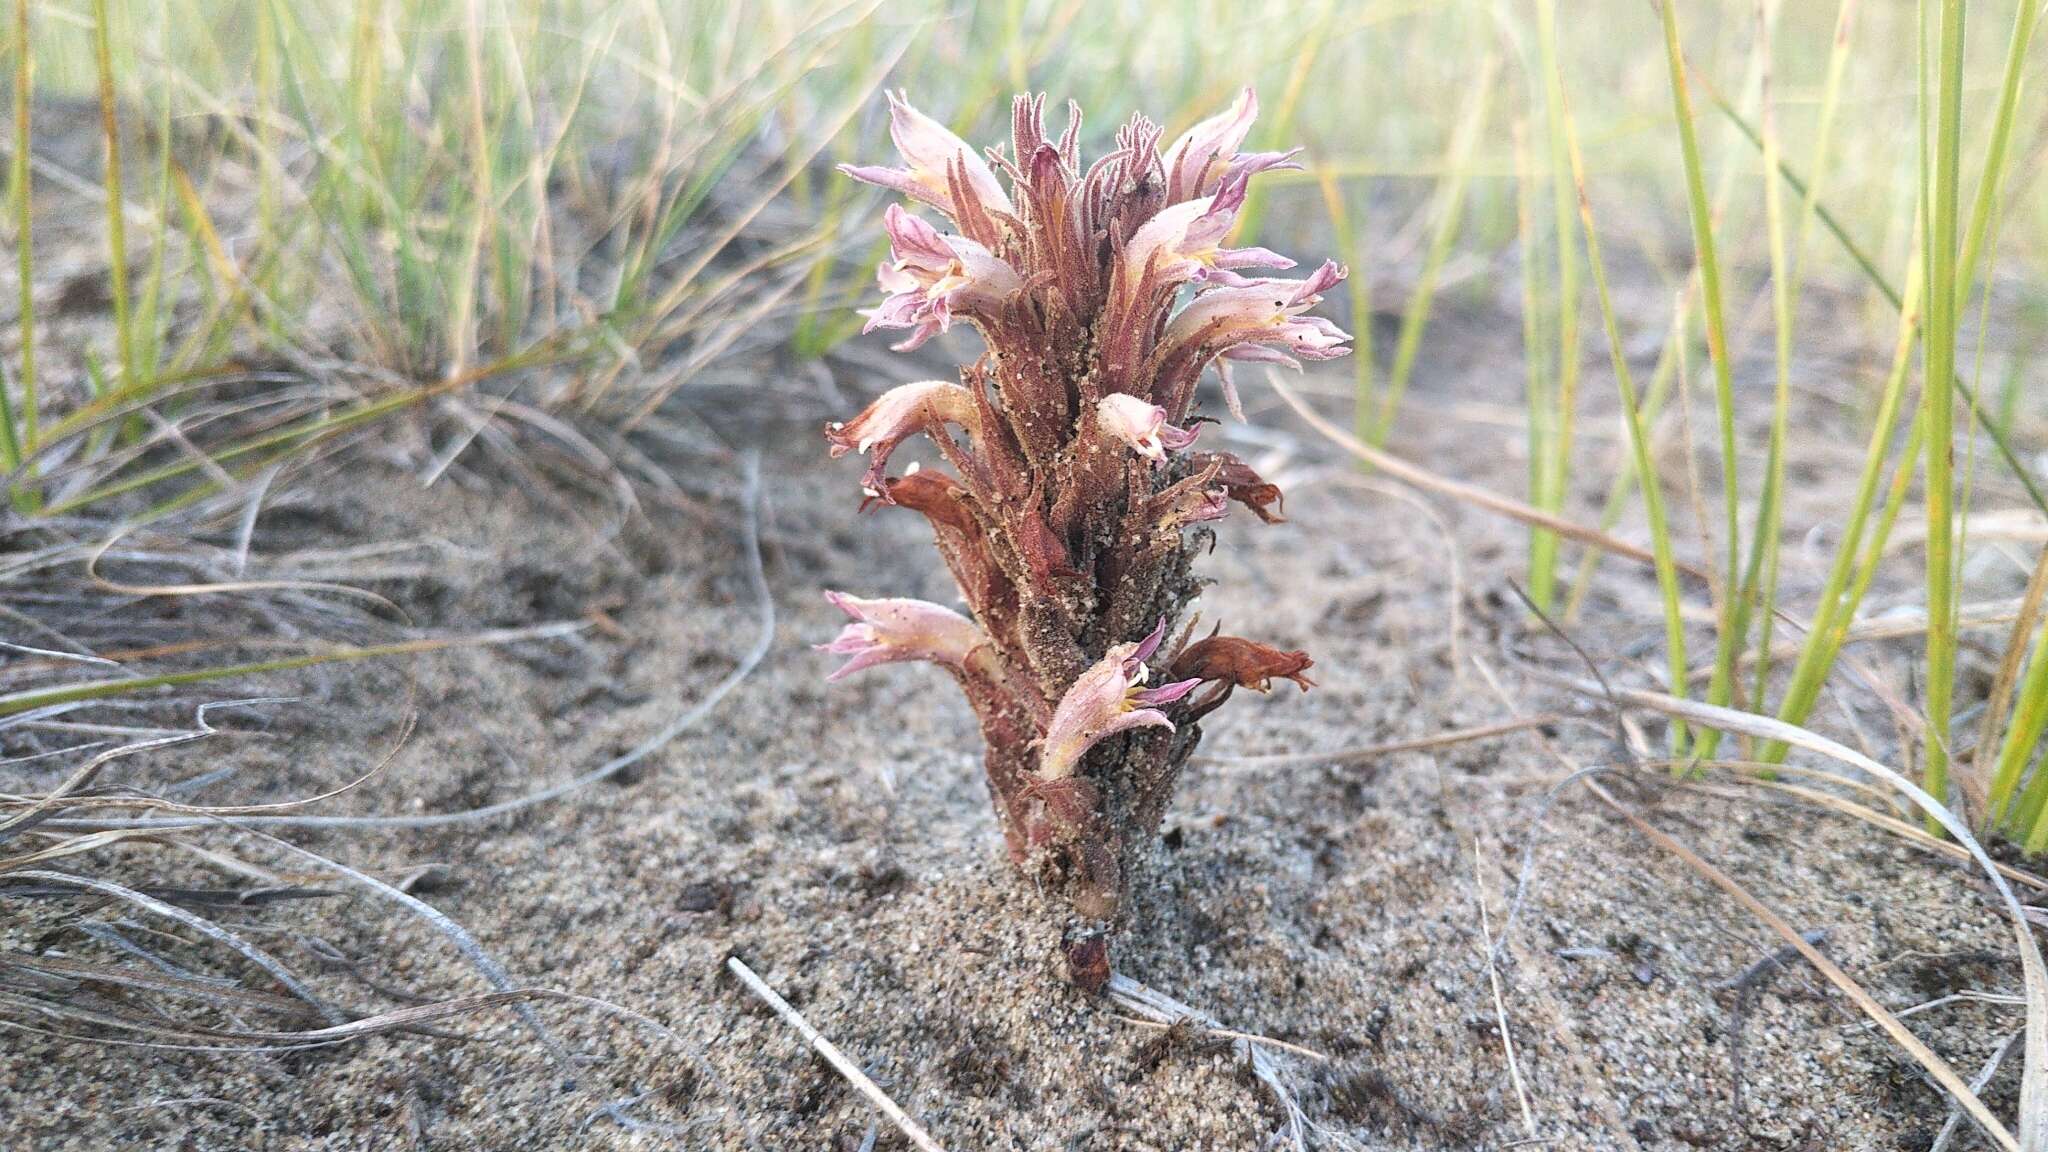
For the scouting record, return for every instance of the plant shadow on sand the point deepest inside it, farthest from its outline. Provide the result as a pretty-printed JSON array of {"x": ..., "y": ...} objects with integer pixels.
[{"x": 839, "y": 840}]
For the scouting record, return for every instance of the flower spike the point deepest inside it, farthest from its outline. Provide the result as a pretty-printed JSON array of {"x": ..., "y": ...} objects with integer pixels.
[{"x": 1073, "y": 505}]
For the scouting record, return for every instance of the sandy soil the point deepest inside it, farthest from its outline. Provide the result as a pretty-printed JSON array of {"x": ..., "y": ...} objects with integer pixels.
[{"x": 838, "y": 839}]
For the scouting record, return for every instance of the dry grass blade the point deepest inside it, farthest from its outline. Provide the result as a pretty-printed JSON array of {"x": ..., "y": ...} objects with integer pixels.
[
  {"x": 1347, "y": 756},
  {"x": 440, "y": 922},
  {"x": 1891, "y": 824},
  {"x": 764, "y": 607},
  {"x": 1763, "y": 728},
  {"x": 833, "y": 1056},
  {"x": 408, "y": 1018},
  {"x": 1471, "y": 494},
  {"x": 1233, "y": 1034},
  {"x": 1500, "y": 1005},
  {"x": 254, "y": 955},
  {"x": 185, "y": 987}
]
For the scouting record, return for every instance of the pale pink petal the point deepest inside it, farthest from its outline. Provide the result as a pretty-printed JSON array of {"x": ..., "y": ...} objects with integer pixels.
[
  {"x": 900, "y": 413},
  {"x": 900, "y": 180},
  {"x": 930, "y": 152},
  {"x": 1140, "y": 424},
  {"x": 1201, "y": 155},
  {"x": 914, "y": 241},
  {"x": 1165, "y": 693},
  {"x": 887, "y": 631},
  {"x": 1144, "y": 649}
]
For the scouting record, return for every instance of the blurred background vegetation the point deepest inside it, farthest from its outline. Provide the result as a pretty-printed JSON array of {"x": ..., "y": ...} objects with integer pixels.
[
  {"x": 548, "y": 207},
  {"x": 422, "y": 161}
]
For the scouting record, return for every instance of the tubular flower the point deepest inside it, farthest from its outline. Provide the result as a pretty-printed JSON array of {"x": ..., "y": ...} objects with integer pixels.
[
  {"x": 1262, "y": 321},
  {"x": 930, "y": 277},
  {"x": 899, "y": 414},
  {"x": 1214, "y": 505},
  {"x": 1199, "y": 161},
  {"x": 1194, "y": 500},
  {"x": 890, "y": 631},
  {"x": 1186, "y": 241},
  {"x": 933, "y": 156},
  {"x": 1141, "y": 425},
  {"x": 1107, "y": 700}
]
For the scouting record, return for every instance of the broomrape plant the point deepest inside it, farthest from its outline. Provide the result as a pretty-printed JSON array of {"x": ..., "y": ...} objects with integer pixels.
[{"x": 1076, "y": 502}]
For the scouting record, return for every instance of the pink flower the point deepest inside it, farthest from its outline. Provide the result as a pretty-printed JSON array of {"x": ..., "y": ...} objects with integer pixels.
[
  {"x": 1198, "y": 162},
  {"x": 896, "y": 416},
  {"x": 1107, "y": 700},
  {"x": 889, "y": 631},
  {"x": 1185, "y": 240},
  {"x": 932, "y": 276},
  {"x": 1259, "y": 321},
  {"x": 937, "y": 163},
  {"x": 1245, "y": 322},
  {"x": 1141, "y": 425}
]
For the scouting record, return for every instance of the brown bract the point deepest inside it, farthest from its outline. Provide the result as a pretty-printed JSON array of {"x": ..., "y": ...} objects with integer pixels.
[
  {"x": 1069, "y": 503},
  {"x": 1245, "y": 663}
]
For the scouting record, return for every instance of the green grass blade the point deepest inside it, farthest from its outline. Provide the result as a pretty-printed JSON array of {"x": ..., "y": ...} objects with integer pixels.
[
  {"x": 1992, "y": 177},
  {"x": 1942, "y": 109},
  {"x": 1639, "y": 442},
  {"x": 1351, "y": 251},
  {"x": 22, "y": 440},
  {"x": 1563, "y": 398},
  {"x": 1626, "y": 478},
  {"x": 117, "y": 240},
  {"x": 1836, "y": 612},
  {"x": 1868, "y": 266},
  {"x": 1824, "y": 130},
  {"x": 1449, "y": 212},
  {"x": 2022, "y": 732},
  {"x": 14, "y": 703},
  {"x": 1732, "y": 629},
  {"x": 1761, "y": 581},
  {"x": 1539, "y": 402}
]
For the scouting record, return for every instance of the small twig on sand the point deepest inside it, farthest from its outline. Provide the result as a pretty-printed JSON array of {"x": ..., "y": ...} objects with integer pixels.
[
  {"x": 1749, "y": 978},
  {"x": 1157, "y": 1006},
  {"x": 1984, "y": 1075},
  {"x": 1500, "y": 1006},
  {"x": 834, "y": 1056},
  {"x": 1746, "y": 984},
  {"x": 1227, "y": 1034},
  {"x": 1344, "y": 756}
]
